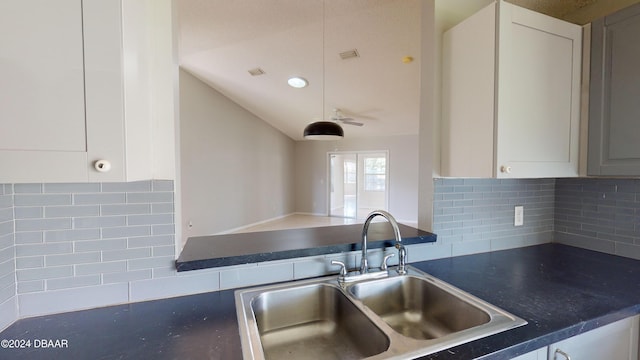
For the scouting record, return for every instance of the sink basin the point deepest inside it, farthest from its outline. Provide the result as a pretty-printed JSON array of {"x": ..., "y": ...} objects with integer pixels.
[
  {"x": 417, "y": 308},
  {"x": 394, "y": 317},
  {"x": 316, "y": 321}
]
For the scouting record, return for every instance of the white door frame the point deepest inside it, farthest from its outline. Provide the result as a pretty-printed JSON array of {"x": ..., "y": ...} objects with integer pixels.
[{"x": 357, "y": 153}]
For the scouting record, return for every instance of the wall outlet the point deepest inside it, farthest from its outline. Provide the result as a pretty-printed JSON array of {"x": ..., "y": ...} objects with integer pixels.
[{"x": 518, "y": 218}]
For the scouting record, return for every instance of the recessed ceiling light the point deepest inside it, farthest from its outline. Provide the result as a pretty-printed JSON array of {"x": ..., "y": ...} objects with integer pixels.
[{"x": 297, "y": 82}]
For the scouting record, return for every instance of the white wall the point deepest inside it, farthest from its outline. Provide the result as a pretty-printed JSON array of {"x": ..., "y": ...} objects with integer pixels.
[
  {"x": 235, "y": 168},
  {"x": 311, "y": 158}
]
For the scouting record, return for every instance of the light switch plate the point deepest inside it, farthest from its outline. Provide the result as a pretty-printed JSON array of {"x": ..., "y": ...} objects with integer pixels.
[{"x": 518, "y": 218}]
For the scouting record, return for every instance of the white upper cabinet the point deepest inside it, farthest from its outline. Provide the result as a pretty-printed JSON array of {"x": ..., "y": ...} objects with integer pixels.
[
  {"x": 74, "y": 75},
  {"x": 511, "y": 95}
]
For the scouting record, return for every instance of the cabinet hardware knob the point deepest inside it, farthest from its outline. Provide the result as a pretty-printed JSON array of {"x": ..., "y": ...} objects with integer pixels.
[
  {"x": 102, "y": 165},
  {"x": 560, "y": 352},
  {"x": 505, "y": 169}
]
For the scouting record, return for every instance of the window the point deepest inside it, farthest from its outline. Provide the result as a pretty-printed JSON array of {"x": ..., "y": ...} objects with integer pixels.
[
  {"x": 375, "y": 178},
  {"x": 350, "y": 172}
]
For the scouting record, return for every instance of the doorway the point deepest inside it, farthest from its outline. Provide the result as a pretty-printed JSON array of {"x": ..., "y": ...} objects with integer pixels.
[{"x": 359, "y": 183}]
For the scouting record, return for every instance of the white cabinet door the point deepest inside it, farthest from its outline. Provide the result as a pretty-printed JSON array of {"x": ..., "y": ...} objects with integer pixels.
[
  {"x": 42, "y": 89},
  {"x": 86, "y": 80},
  {"x": 511, "y": 106},
  {"x": 61, "y": 92},
  {"x": 540, "y": 354},
  {"x": 538, "y": 116},
  {"x": 616, "y": 341}
]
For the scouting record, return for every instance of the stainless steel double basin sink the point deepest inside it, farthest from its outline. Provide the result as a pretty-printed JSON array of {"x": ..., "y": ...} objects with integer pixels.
[{"x": 393, "y": 317}]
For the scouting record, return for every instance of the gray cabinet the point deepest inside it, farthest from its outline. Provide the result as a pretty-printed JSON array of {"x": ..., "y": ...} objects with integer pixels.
[{"x": 614, "y": 95}]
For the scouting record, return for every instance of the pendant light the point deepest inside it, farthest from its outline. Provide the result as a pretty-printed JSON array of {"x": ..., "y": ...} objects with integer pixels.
[{"x": 323, "y": 130}]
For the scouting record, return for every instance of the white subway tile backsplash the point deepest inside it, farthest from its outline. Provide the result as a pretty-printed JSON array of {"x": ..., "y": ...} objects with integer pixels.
[
  {"x": 168, "y": 250},
  {"x": 127, "y": 277},
  {"x": 98, "y": 199},
  {"x": 101, "y": 268},
  {"x": 44, "y": 273},
  {"x": 73, "y": 282},
  {"x": 6, "y": 228},
  {"x": 150, "y": 198},
  {"x": 55, "y": 301},
  {"x": 162, "y": 208},
  {"x": 71, "y": 235},
  {"x": 599, "y": 214},
  {"x": 156, "y": 240},
  {"x": 126, "y": 209},
  {"x": 7, "y": 254},
  {"x": 253, "y": 275},
  {"x": 6, "y": 201},
  {"x": 193, "y": 283},
  {"x": 34, "y": 237},
  {"x": 29, "y": 212},
  {"x": 150, "y": 219},
  {"x": 8, "y": 312},
  {"x": 473, "y": 214},
  {"x": 8, "y": 307},
  {"x": 43, "y": 249},
  {"x": 70, "y": 211},
  {"x": 30, "y": 286},
  {"x": 99, "y": 222},
  {"x": 162, "y": 185},
  {"x": 69, "y": 188},
  {"x": 431, "y": 251},
  {"x": 321, "y": 265},
  {"x": 71, "y": 259},
  {"x": 6, "y": 215},
  {"x": 86, "y": 245},
  {"x": 41, "y": 200},
  {"x": 154, "y": 262},
  {"x": 168, "y": 229},
  {"x": 27, "y": 188},
  {"x": 164, "y": 272},
  {"x": 93, "y": 245},
  {"x": 126, "y": 254},
  {"x": 470, "y": 247},
  {"x": 43, "y": 224},
  {"x": 136, "y": 186},
  {"x": 125, "y": 231},
  {"x": 29, "y": 262},
  {"x": 7, "y": 293},
  {"x": 7, "y": 280}
]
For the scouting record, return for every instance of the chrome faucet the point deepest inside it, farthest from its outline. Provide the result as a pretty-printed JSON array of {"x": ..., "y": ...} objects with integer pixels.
[{"x": 402, "y": 252}]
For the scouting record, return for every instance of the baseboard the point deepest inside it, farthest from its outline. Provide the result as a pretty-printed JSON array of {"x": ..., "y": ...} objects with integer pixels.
[{"x": 229, "y": 231}]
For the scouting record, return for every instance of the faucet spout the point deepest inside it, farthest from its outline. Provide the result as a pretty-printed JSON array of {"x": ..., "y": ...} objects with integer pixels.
[{"x": 364, "y": 263}]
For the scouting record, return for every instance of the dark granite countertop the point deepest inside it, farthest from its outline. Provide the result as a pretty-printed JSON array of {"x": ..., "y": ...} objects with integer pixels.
[
  {"x": 203, "y": 252},
  {"x": 560, "y": 290}
]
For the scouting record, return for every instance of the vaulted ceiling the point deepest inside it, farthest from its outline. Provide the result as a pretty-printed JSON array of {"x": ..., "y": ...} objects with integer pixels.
[{"x": 221, "y": 41}]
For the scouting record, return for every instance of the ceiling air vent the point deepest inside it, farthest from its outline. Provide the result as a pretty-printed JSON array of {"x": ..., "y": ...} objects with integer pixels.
[
  {"x": 256, "y": 72},
  {"x": 349, "y": 54}
]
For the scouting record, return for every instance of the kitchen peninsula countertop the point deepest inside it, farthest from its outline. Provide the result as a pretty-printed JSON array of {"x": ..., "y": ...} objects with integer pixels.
[
  {"x": 201, "y": 252},
  {"x": 561, "y": 291}
]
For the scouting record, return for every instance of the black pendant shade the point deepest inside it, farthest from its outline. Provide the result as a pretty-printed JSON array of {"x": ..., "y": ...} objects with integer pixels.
[{"x": 323, "y": 130}]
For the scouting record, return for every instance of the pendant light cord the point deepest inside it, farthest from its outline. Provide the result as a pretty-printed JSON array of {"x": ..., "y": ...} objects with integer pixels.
[{"x": 323, "y": 59}]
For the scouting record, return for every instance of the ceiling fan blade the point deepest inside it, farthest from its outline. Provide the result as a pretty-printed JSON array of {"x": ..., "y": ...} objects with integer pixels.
[{"x": 352, "y": 122}]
